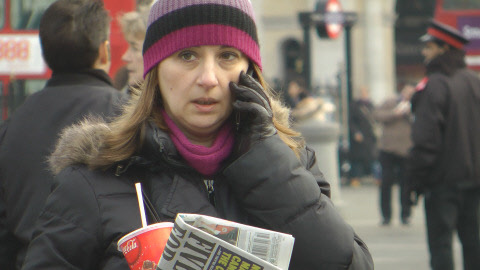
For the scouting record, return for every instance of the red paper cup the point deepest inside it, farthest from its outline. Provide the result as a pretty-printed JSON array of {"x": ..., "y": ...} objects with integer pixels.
[{"x": 143, "y": 248}]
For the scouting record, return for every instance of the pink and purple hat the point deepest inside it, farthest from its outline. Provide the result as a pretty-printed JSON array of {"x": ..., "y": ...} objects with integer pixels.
[{"x": 178, "y": 24}]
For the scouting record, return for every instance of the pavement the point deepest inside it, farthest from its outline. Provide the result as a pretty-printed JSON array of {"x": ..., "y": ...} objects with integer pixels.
[{"x": 393, "y": 247}]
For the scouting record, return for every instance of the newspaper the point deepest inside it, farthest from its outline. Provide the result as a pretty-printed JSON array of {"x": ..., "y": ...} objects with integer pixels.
[{"x": 203, "y": 242}]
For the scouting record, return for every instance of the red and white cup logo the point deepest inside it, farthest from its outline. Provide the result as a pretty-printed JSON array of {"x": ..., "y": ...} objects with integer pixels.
[{"x": 143, "y": 248}]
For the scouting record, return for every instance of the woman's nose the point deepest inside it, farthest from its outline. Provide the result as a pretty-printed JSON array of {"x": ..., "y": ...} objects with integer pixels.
[
  {"x": 208, "y": 75},
  {"x": 126, "y": 55}
]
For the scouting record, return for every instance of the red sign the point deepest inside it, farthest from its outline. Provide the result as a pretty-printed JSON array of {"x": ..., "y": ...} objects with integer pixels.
[
  {"x": 333, "y": 18},
  {"x": 334, "y": 24}
]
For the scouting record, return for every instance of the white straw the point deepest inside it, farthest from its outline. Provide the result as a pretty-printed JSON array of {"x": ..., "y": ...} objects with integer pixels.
[{"x": 138, "y": 187}]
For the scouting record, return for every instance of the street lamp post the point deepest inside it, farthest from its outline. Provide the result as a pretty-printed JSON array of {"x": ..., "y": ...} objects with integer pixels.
[{"x": 329, "y": 20}]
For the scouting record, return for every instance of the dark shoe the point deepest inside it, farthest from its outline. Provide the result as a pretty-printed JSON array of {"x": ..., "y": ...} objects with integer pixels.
[
  {"x": 405, "y": 221},
  {"x": 386, "y": 222}
]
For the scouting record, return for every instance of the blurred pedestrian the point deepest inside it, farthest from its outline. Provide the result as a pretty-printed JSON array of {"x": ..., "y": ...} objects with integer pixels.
[
  {"x": 394, "y": 116},
  {"x": 134, "y": 28},
  {"x": 301, "y": 103},
  {"x": 202, "y": 136},
  {"x": 362, "y": 153},
  {"x": 296, "y": 91},
  {"x": 444, "y": 163},
  {"x": 75, "y": 45}
]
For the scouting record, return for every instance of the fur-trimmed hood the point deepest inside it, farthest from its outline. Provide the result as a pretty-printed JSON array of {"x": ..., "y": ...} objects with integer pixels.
[
  {"x": 81, "y": 142},
  {"x": 78, "y": 144}
]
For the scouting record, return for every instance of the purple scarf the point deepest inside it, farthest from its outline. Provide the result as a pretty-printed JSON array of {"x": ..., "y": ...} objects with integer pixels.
[{"x": 205, "y": 160}]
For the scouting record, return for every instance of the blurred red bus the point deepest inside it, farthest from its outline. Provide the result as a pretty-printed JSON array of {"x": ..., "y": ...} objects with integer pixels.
[
  {"x": 22, "y": 69},
  {"x": 465, "y": 16}
]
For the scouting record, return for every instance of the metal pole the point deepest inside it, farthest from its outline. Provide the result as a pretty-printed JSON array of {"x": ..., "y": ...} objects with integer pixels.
[
  {"x": 348, "y": 59},
  {"x": 348, "y": 77},
  {"x": 307, "y": 57}
]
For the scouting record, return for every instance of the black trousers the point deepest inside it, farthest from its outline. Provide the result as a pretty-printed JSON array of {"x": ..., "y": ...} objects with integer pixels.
[
  {"x": 393, "y": 171},
  {"x": 449, "y": 209}
]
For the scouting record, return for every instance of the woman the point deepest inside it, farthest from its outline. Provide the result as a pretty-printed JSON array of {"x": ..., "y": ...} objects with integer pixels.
[
  {"x": 203, "y": 137},
  {"x": 134, "y": 28}
]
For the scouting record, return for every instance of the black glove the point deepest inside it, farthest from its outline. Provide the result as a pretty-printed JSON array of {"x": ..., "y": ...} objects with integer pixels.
[{"x": 252, "y": 109}]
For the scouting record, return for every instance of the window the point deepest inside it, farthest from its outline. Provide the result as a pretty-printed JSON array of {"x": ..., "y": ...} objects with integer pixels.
[
  {"x": 461, "y": 4},
  {"x": 26, "y": 14}
]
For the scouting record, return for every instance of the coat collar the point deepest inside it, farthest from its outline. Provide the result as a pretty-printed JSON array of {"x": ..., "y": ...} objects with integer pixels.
[
  {"x": 159, "y": 151},
  {"x": 85, "y": 77}
]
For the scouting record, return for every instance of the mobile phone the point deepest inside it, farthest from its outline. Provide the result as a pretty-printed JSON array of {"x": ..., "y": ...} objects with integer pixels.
[{"x": 250, "y": 71}]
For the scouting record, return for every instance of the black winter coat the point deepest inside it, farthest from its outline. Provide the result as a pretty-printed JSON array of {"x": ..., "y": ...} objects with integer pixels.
[
  {"x": 362, "y": 121},
  {"x": 28, "y": 138},
  {"x": 269, "y": 187},
  {"x": 446, "y": 144}
]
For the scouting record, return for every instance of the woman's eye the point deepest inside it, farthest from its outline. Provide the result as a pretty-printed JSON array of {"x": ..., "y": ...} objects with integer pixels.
[
  {"x": 229, "y": 55},
  {"x": 187, "y": 56}
]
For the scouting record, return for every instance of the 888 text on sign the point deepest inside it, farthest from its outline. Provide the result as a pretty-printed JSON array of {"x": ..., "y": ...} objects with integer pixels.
[
  {"x": 21, "y": 55},
  {"x": 11, "y": 49}
]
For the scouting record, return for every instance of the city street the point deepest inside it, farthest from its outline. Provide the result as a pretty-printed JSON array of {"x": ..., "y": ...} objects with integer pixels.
[{"x": 394, "y": 247}]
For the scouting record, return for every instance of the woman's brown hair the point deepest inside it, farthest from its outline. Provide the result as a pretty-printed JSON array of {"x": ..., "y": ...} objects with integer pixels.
[{"x": 125, "y": 135}]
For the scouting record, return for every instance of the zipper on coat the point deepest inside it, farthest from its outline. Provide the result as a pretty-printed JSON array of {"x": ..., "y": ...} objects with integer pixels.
[{"x": 210, "y": 191}]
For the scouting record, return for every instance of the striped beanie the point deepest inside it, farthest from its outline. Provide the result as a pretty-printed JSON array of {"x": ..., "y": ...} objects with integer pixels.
[{"x": 174, "y": 25}]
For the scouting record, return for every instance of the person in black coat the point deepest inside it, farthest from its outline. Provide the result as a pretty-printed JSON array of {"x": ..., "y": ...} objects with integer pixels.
[
  {"x": 203, "y": 135},
  {"x": 74, "y": 40},
  {"x": 444, "y": 162},
  {"x": 363, "y": 141}
]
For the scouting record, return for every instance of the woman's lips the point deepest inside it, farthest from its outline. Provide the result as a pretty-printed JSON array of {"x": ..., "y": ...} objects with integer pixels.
[{"x": 205, "y": 104}]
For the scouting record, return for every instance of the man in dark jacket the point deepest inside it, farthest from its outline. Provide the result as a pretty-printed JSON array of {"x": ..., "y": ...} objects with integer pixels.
[
  {"x": 444, "y": 162},
  {"x": 74, "y": 38}
]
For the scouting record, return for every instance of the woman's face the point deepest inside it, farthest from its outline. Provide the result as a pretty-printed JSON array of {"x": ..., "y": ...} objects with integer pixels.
[
  {"x": 194, "y": 87},
  {"x": 134, "y": 60}
]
